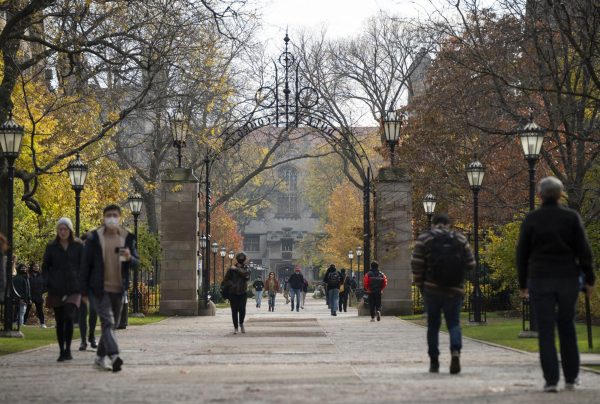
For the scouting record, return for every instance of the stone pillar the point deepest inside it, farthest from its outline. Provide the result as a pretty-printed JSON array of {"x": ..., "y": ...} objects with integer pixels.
[
  {"x": 393, "y": 221},
  {"x": 179, "y": 242}
]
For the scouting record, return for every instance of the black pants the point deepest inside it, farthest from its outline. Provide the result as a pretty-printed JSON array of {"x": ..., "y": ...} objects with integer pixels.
[
  {"x": 64, "y": 316},
  {"x": 554, "y": 302},
  {"x": 343, "y": 301},
  {"x": 238, "y": 309},
  {"x": 83, "y": 317},
  {"x": 374, "y": 303},
  {"x": 39, "y": 310}
]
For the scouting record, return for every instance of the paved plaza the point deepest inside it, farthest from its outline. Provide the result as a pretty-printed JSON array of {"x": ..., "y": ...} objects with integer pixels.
[{"x": 285, "y": 357}]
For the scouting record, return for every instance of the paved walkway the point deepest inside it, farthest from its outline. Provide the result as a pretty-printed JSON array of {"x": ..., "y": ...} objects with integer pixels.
[{"x": 285, "y": 357}]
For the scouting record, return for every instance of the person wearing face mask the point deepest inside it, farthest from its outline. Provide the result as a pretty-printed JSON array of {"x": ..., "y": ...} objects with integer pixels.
[
  {"x": 109, "y": 253},
  {"x": 296, "y": 282},
  {"x": 60, "y": 270}
]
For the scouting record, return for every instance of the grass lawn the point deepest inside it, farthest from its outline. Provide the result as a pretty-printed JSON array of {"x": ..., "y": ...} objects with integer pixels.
[
  {"x": 36, "y": 337},
  {"x": 504, "y": 331}
]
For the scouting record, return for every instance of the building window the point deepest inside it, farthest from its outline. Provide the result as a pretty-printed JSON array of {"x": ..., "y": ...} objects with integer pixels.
[
  {"x": 251, "y": 243},
  {"x": 287, "y": 244},
  {"x": 287, "y": 202}
]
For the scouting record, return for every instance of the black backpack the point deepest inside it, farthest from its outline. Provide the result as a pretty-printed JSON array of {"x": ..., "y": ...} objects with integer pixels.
[
  {"x": 334, "y": 279},
  {"x": 446, "y": 260},
  {"x": 376, "y": 282}
]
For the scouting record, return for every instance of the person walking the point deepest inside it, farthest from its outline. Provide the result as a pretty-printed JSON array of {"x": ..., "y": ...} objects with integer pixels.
[
  {"x": 236, "y": 285},
  {"x": 258, "y": 286},
  {"x": 552, "y": 251},
  {"x": 61, "y": 274},
  {"x": 296, "y": 284},
  {"x": 333, "y": 280},
  {"x": 375, "y": 282},
  {"x": 36, "y": 285},
  {"x": 272, "y": 287},
  {"x": 344, "y": 291},
  {"x": 22, "y": 291},
  {"x": 110, "y": 253},
  {"x": 440, "y": 260},
  {"x": 304, "y": 292}
]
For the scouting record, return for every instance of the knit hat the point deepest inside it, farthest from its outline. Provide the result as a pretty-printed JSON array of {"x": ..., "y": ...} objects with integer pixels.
[{"x": 67, "y": 222}]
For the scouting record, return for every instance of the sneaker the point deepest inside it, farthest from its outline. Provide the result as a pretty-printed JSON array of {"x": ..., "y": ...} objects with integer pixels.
[
  {"x": 455, "y": 363},
  {"x": 434, "y": 365},
  {"x": 43, "y": 326},
  {"x": 93, "y": 342},
  {"x": 378, "y": 315},
  {"x": 334, "y": 314},
  {"x": 242, "y": 328},
  {"x": 117, "y": 363},
  {"x": 235, "y": 331},
  {"x": 297, "y": 310},
  {"x": 550, "y": 388},
  {"x": 99, "y": 364},
  {"x": 83, "y": 346},
  {"x": 572, "y": 386}
]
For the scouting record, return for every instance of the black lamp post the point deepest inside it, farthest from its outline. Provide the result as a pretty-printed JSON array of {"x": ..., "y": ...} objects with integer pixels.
[
  {"x": 532, "y": 139},
  {"x": 359, "y": 253},
  {"x": 203, "y": 245},
  {"x": 179, "y": 131},
  {"x": 429, "y": 203},
  {"x": 78, "y": 172},
  {"x": 231, "y": 257},
  {"x": 136, "y": 202},
  {"x": 351, "y": 258},
  {"x": 475, "y": 174},
  {"x": 392, "y": 124},
  {"x": 223, "y": 253},
  {"x": 11, "y": 138},
  {"x": 215, "y": 250}
]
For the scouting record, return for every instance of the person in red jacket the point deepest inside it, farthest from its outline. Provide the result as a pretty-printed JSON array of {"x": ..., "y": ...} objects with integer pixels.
[{"x": 375, "y": 282}]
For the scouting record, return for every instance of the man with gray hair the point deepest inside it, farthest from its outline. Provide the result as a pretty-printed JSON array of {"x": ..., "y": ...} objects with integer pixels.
[{"x": 552, "y": 254}]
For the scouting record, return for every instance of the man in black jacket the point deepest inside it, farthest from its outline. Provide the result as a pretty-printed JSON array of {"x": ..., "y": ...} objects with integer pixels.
[
  {"x": 332, "y": 281},
  {"x": 109, "y": 253},
  {"x": 296, "y": 283},
  {"x": 552, "y": 253},
  {"x": 258, "y": 286}
]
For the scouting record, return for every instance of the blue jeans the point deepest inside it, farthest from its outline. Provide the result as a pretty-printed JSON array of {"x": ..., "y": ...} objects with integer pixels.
[
  {"x": 296, "y": 296},
  {"x": 271, "y": 301},
  {"x": 334, "y": 298},
  {"x": 258, "y": 296},
  {"x": 554, "y": 302},
  {"x": 450, "y": 305}
]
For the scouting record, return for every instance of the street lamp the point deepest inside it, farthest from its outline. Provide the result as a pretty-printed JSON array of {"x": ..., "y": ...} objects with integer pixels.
[
  {"x": 203, "y": 245},
  {"x": 429, "y": 205},
  {"x": 532, "y": 139},
  {"x": 392, "y": 124},
  {"x": 179, "y": 131},
  {"x": 223, "y": 253},
  {"x": 78, "y": 172},
  {"x": 11, "y": 137},
  {"x": 475, "y": 174},
  {"x": 359, "y": 253},
  {"x": 231, "y": 257},
  {"x": 135, "y": 202},
  {"x": 351, "y": 258},
  {"x": 215, "y": 250}
]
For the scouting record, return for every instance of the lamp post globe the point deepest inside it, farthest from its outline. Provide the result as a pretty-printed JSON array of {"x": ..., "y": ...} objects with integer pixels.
[
  {"x": 203, "y": 241},
  {"x": 475, "y": 173},
  {"x": 392, "y": 125},
  {"x": 78, "y": 172},
  {"x": 351, "y": 258},
  {"x": 429, "y": 203},
  {"x": 223, "y": 253},
  {"x": 135, "y": 202},
  {"x": 179, "y": 129},
  {"x": 11, "y": 138},
  {"x": 359, "y": 253},
  {"x": 231, "y": 257}
]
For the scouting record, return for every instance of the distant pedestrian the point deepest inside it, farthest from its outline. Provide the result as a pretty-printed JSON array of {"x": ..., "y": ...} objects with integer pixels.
[
  {"x": 553, "y": 250},
  {"x": 296, "y": 284},
  {"x": 352, "y": 285},
  {"x": 440, "y": 260},
  {"x": 36, "y": 285},
  {"x": 333, "y": 280},
  {"x": 110, "y": 253},
  {"x": 236, "y": 283},
  {"x": 344, "y": 292},
  {"x": 87, "y": 328},
  {"x": 272, "y": 287},
  {"x": 22, "y": 291},
  {"x": 258, "y": 286},
  {"x": 304, "y": 292},
  {"x": 375, "y": 282},
  {"x": 61, "y": 272}
]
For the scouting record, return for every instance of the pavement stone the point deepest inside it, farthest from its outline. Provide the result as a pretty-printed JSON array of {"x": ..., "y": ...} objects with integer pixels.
[{"x": 285, "y": 357}]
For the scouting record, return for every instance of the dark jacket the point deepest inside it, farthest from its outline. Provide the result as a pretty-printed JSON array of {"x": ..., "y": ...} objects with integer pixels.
[
  {"x": 296, "y": 281},
  {"x": 553, "y": 244},
  {"x": 61, "y": 268},
  {"x": 305, "y": 286},
  {"x": 368, "y": 281},
  {"x": 21, "y": 287},
  {"x": 36, "y": 284},
  {"x": 420, "y": 261},
  {"x": 92, "y": 265},
  {"x": 328, "y": 275},
  {"x": 236, "y": 280},
  {"x": 258, "y": 285}
]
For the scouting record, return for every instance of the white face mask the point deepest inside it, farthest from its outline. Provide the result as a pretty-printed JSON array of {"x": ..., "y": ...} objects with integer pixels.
[{"x": 111, "y": 222}]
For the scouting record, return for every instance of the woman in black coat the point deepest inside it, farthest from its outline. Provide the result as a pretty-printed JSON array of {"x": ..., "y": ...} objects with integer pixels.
[
  {"x": 60, "y": 270},
  {"x": 236, "y": 286}
]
